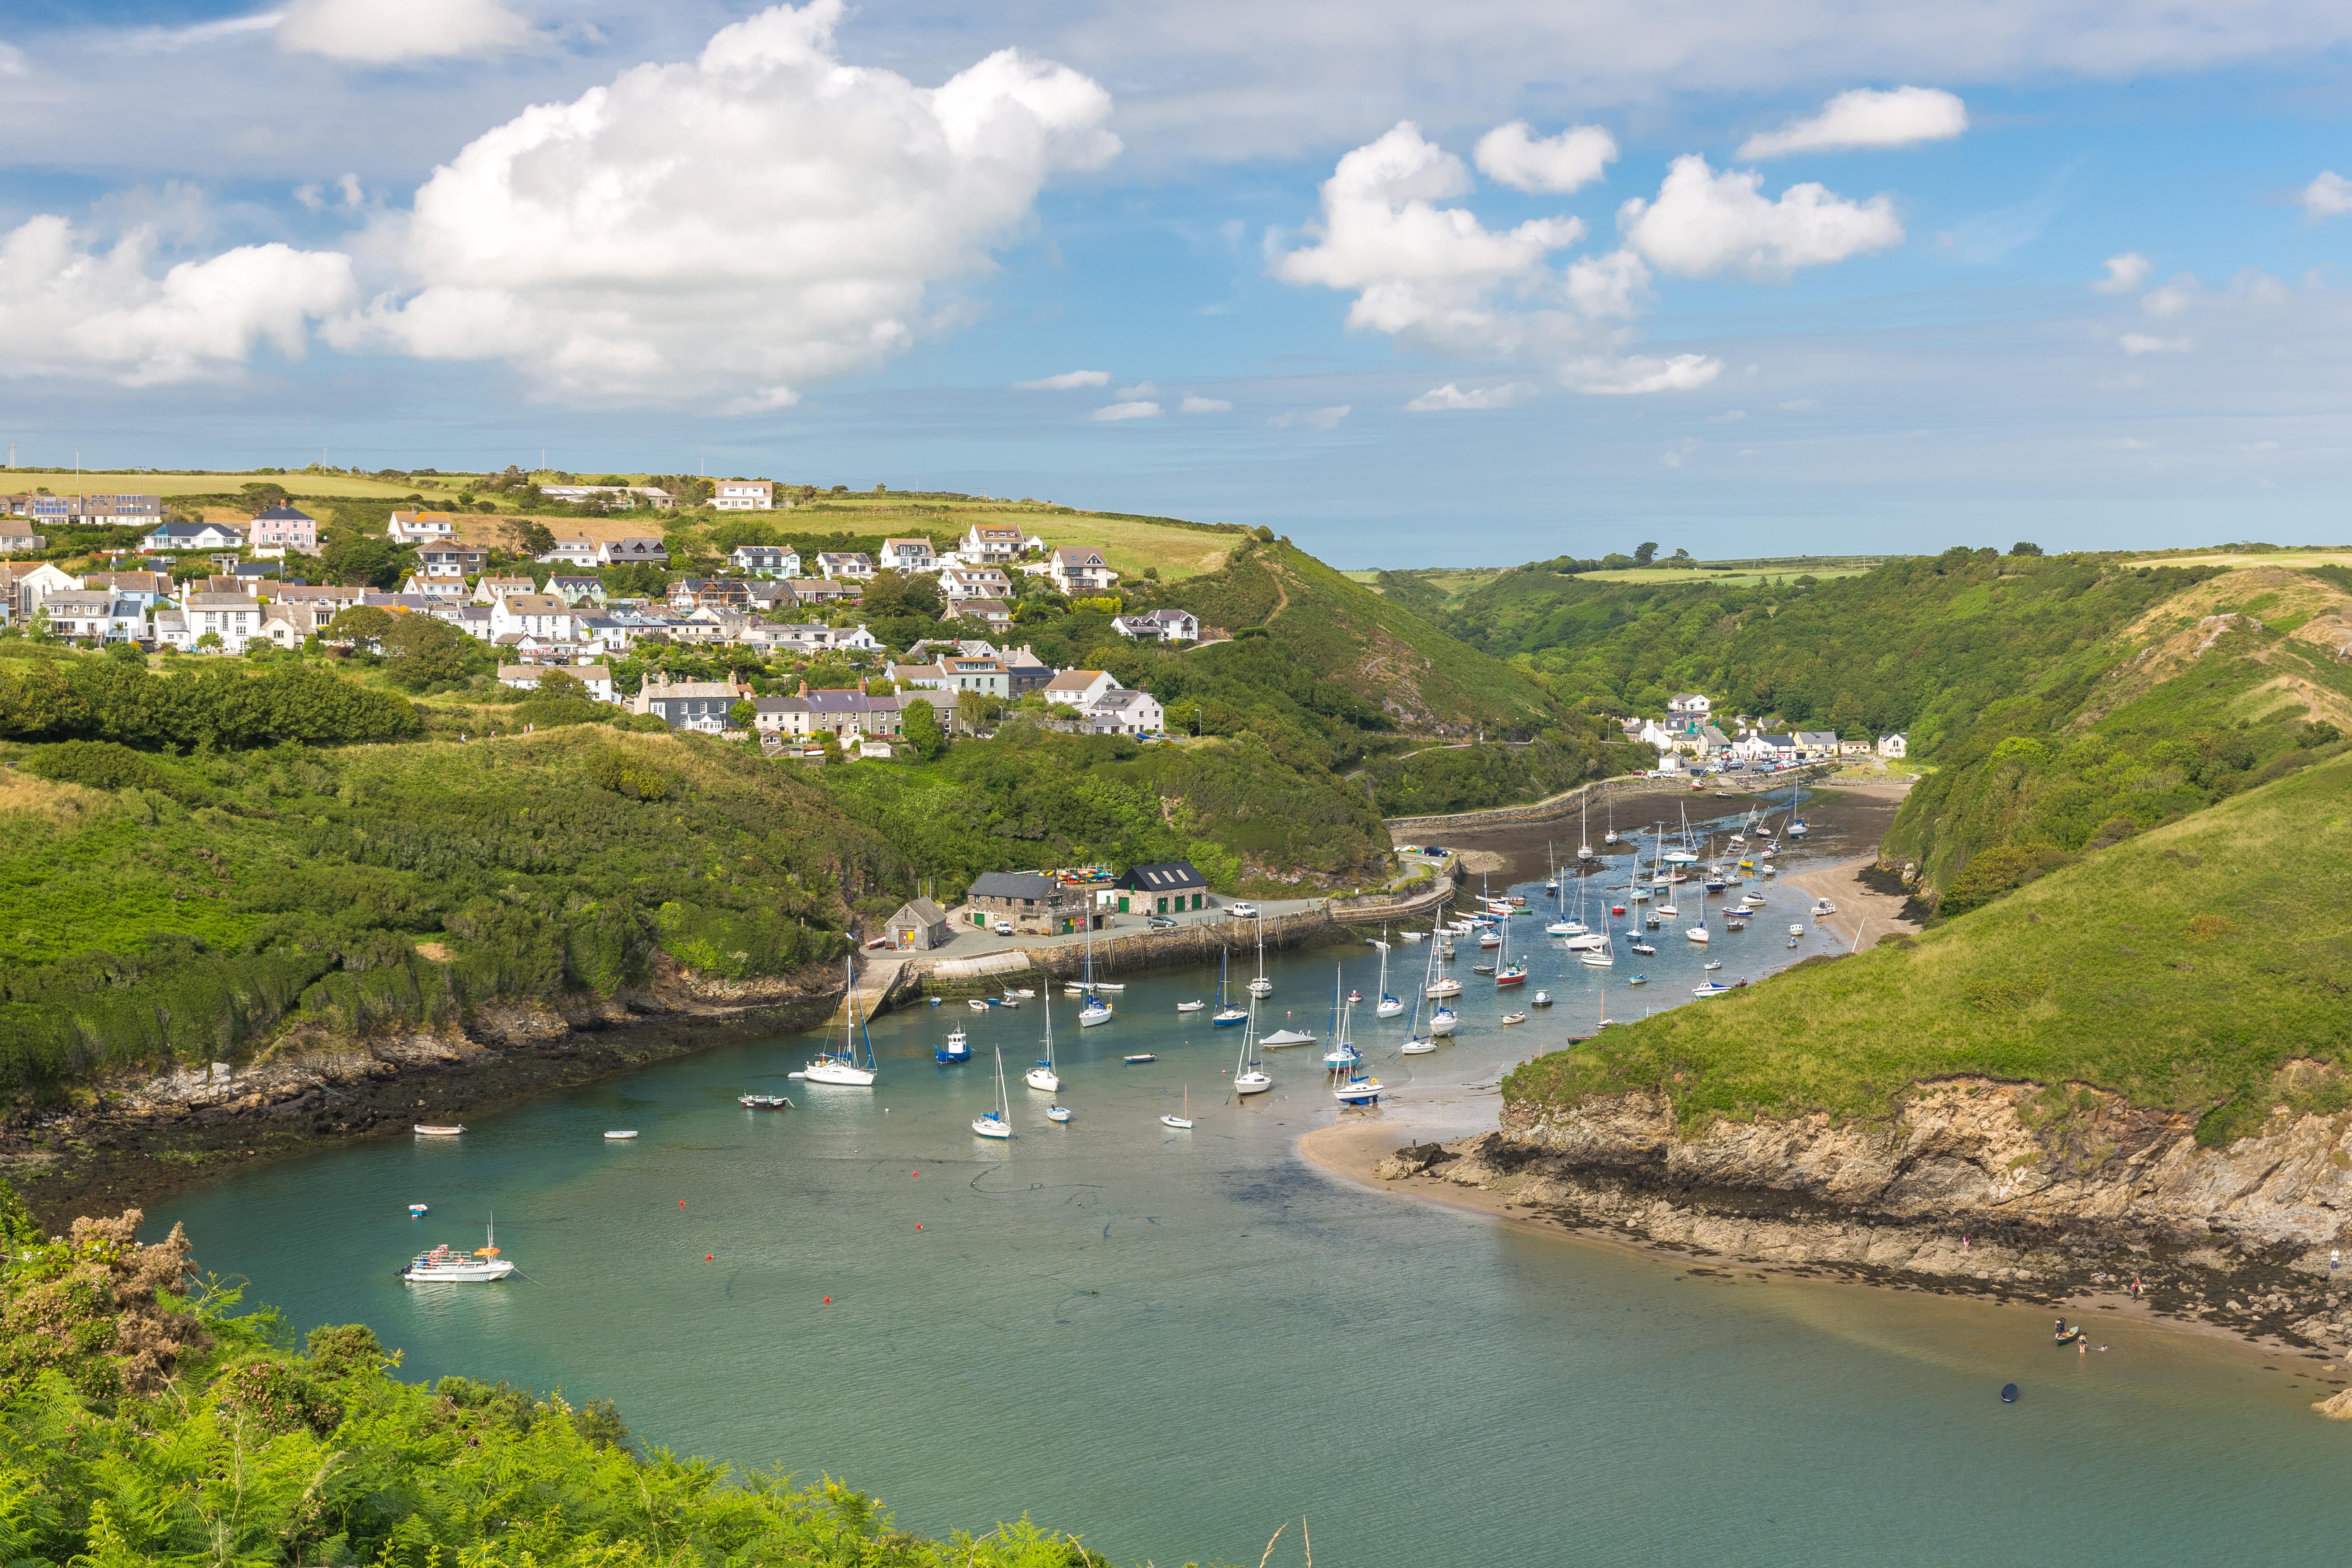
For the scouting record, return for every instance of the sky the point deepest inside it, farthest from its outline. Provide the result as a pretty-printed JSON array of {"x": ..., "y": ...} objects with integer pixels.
[{"x": 1415, "y": 285}]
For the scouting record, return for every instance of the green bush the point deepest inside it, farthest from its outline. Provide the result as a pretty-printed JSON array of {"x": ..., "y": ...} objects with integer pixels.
[{"x": 100, "y": 764}]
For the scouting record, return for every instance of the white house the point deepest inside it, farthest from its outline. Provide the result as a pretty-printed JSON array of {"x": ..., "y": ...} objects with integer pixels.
[
  {"x": 232, "y": 617},
  {"x": 1079, "y": 569},
  {"x": 195, "y": 536},
  {"x": 1080, "y": 688},
  {"x": 422, "y": 527},
  {"x": 452, "y": 589},
  {"x": 1119, "y": 711},
  {"x": 984, "y": 545},
  {"x": 95, "y": 613},
  {"x": 1159, "y": 625},
  {"x": 743, "y": 495},
  {"x": 1756, "y": 748},
  {"x": 905, "y": 556},
  {"x": 848, "y": 566},
  {"x": 1690, "y": 706},
  {"x": 1895, "y": 745},
  {"x": 490, "y": 590},
  {"x": 1656, "y": 734},
  {"x": 960, "y": 583},
  {"x": 532, "y": 615},
  {"x": 573, "y": 551},
  {"x": 596, "y": 677},
  {"x": 765, "y": 559}
]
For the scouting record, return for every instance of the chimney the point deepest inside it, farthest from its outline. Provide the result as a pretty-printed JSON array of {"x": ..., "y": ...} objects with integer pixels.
[{"x": 803, "y": 687}]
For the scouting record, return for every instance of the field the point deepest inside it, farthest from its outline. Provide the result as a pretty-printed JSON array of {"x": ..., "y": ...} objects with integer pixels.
[
  {"x": 1703, "y": 573},
  {"x": 2339, "y": 555},
  {"x": 2185, "y": 969},
  {"x": 296, "y": 483}
]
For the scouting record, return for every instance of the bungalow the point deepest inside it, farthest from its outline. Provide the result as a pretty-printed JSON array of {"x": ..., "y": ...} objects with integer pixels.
[
  {"x": 908, "y": 555},
  {"x": 195, "y": 536},
  {"x": 632, "y": 552},
  {"x": 577, "y": 591},
  {"x": 231, "y": 618},
  {"x": 1165, "y": 888},
  {"x": 960, "y": 583},
  {"x": 1852, "y": 748},
  {"x": 596, "y": 677},
  {"x": 1078, "y": 688},
  {"x": 1816, "y": 743},
  {"x": 1030, "y": 904},
  {"x": 287, "y": 529},
  {"x": 743, "y": 495},
  {"x": 534, "y": 615},
  {"x": 844, "y": 566},
  {"x": 573, "y": 551},
  {"x": 918, "y": 926},
  {"x": 1080, "y": 568},
  {"x": 1691, "y": 706},
  {"x": 986, "y": 545},
  {"x": 765, "y": 559},
  {"x": 1159, "y": 625},
  {"x": 1895, "y": 745},
  {"x": 422, "y": 527},
  {"x": 688, "y": 704},
  {"x": 820, "y": 591}
]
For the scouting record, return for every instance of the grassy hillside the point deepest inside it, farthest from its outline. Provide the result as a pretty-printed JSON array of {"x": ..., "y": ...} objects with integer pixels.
[
  {"x": 2186, "y": 968},
  {"x": 1422, "y": 678}
]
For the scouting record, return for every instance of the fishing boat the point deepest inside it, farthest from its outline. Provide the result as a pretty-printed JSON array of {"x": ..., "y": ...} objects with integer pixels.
[
  {"x": 416, "y": 1211},
  {"x": 1043, "y": 1076},
  {"x": 765, "y": 1102},
  {"x": 1249, "y": 1078},
  {"x": 1541, "y": 999},
  {"x": 445, "y": 1266},
  {"x": 1139, "y": 1058},
  {"x": 996, "y": 1122},
  {"x": 1751, "y": 900},
  {"x": 1092, "y": 1009},
  {"x": 1189, "y": 1007},
  {"x": 1227, "y": 1015},
  {"x": 433, "y": 1130},
  {"x": 1823, "y": 907},
  {"x": 1261, "y": 985},
  {"x": 1184, "y": 1122},
  {"x": 956, "y": 1049},
  {"x": 842, "y": 1068},
  {"x": 1709, "y": 989},
  {"x": 1796, "y": 931}
]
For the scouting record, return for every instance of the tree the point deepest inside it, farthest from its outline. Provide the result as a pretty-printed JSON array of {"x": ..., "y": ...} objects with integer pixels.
[
  {"x": 528, "y": 537},
  {"x": 920, "y": 724},
  {"x": 972, "y": 709},
  {"x": 362, "y": 623},
  {"x": 425, "y": 652},
  {"x": 561, "y": 686},
  {"x": 1646, "y": 553},
  {"x": 741, "y": 715},
  {"x": 1680, "y": 556},
  {"x": 2023, "y": 548},
  {"x": 360, "y": 560}
]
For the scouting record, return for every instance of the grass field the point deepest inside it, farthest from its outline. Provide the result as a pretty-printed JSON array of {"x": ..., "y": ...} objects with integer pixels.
[
  {"x": 1653, "y": 575},
  {"x": 296, "y": 483},
  {"x": 2185, "y": 969},
  {"x": 2293, "y": 559}
]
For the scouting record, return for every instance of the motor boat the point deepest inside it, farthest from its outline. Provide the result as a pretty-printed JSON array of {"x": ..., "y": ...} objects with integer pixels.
[
  {"x": 444, "y": 1265},
  {"x": 1189, "y": 1007},
  {"x": 765, "y": 1102},
  {"x": 956, "y": 1049},
  {"x": 1541, "y": 999},
  {"x": 1709, "y": 989},
  {"x": 1282, "y": 1037}
]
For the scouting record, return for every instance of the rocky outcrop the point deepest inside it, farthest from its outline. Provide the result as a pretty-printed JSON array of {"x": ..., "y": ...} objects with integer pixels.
[{"x": 1974, "y": 1184}]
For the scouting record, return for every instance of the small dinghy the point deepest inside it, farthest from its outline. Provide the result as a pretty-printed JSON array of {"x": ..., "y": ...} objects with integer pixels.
[
  {"x": 417, "y": 1210},
  {"x": 432, "y": 1130},
  {"x": 1007, "y": 1000},
  {"x": 620, "y": 1136},
  {"x": 1058, "y": 1113},
  {"x": 1140, "y": 1057},
  {"x": 757, "y": 1102},
  {"x": 2009, "y": 1394},
  {"x": 1639, "y": 980},
  {"x": 1182, "y": 1123},
  {"x": 981, "y": 1004},
  {"x": 1515, "y": 1018},
  {"x": 1712, "y": 964},
  {"x": 1189, "y": 1007}
]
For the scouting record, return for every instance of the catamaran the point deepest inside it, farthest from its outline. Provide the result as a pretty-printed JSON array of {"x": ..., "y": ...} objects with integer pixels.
[
  {"x": 842, "y": 1068},
  {"x": 996, "y": 1122},
  {"x": 1043, "y": 1076},
  {"x": 444, "y": 1264}
]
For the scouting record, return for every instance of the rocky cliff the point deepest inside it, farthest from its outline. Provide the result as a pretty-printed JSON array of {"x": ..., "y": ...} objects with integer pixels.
[{"x": 2025, "y": 1189}]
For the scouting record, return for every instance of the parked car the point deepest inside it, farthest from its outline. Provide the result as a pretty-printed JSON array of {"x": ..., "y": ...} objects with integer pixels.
[
  {"x": 1242, "y": 911},
  {"x": 1158, "y": 922}
]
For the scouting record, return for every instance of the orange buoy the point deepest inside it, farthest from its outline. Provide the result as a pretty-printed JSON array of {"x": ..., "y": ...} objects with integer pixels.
[
  {"x": 918, "y": 1225},
  {"x": 681, "y": 1202},
  {"x": 706, "y": 1258},
  {"x": 828, "y": 1300}
]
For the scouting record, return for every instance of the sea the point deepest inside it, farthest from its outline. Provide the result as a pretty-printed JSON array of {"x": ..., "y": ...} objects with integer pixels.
[{"x": 1173, "y": 1342}]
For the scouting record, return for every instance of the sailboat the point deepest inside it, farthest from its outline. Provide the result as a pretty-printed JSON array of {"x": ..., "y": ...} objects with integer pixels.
[
  {"x": 1043, "y": 1076},
  {"x": 996, "y": 1122},
  {"x": 1354, "y": 1086},
  {"x": 1610, "y": 836},
  {"x": 1698, "y": 933},
  {"x": 1797, "y": 829},
  {"x": 1551, "y": 883},
  {"x": 1510, "y": 974},
  {"x": 1602, "y": 952},
  {"x": 1261, "y": 987},
  {"x": 1249, "y": 1078},
  {"x": 1226, "y": 1014},
  {"x": 1388, "y": 1006},
  {"x": 1185, "y": 1120},
  {"x": 1343, "y": 1054},
  {"x": 1093, "y": 1010},
  {"x": 842, "y": 1068},
  {"x": 446, "y": 1266},
  {"x": 1583, "y": 834}
]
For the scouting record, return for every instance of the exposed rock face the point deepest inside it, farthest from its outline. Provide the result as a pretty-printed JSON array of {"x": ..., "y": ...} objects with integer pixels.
[{"x": 1979, "y": 1183}]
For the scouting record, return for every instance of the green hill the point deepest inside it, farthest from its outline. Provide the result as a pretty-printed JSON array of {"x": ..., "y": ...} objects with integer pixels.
[{"x": 2200, "y": 969}]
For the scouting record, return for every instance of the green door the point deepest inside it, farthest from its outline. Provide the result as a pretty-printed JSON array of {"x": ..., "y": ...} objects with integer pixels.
[{"x": 1122, "y": 903}]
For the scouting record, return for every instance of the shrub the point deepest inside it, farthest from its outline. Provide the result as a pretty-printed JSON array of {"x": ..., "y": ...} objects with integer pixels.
[
  {"x": 1996, "y": 871},
  {"x": 100, "y": 764}
]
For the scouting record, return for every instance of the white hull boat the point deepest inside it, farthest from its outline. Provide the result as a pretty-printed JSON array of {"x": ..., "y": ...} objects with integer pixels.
[
  {"x": 844, "y": 1069},
  {"x": 1190, "y": 1006},
  {"x": 1698, "y": 934},
  {"x": 1446, "y": 986},
  {"x": 1419, "y": 1047},
  {"x": 1441, "y": 1022},
  {"x": 998, "y": 1123},
  {"x": 445, "y": 1266},
  {"x": 1044, "y": 1079},
  {"x": 1094, "y": 1013},
  {"x": 1281, "y": 1038}
]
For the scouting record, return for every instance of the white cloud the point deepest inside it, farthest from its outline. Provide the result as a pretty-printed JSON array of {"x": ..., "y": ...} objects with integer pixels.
[
  {"x": 1115, "y": 411},
  {"x": 2125, "y": 273},
  {"x": 382, "y": 32},
  {"x": 348, "y": 189},
  {"x": 1610, "y": 285},
  {"x": 1517, "y": 156},
  {"x": 65, "y": 308},
  {"x": 1678, "y": 455},
  {"x": 724, "y": 229},
  {"x": 1904, "y": 117},
  {"x": 1450, "y": 396},
  {"x": 1064, "y": 381},
  {"x": 1204, "y": 405},
  {"x": 2173, "y": 299},
  {"x": 1140, "y": 389},
  {"x": 175, "y": 40},
  {"x": 1313, "y": 418},
  {"x": 2330, "y": 196},
  {"x": 12, "y": 61},
  {"x": 1643, "y": 375},
  {"x": 2143, "y": 343},
  {"x": 1704, "y": 223}
]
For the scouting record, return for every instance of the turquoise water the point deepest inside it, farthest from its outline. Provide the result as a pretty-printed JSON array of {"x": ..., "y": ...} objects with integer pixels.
[{"x": 1173, "y": 1341}]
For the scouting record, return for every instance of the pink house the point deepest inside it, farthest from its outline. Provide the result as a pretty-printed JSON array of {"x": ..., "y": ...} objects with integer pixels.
[{"x": 283, "y": 525}]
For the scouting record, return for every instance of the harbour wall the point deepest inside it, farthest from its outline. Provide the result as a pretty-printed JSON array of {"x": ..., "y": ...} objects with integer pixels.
[{"x": 1552, "y": 808}]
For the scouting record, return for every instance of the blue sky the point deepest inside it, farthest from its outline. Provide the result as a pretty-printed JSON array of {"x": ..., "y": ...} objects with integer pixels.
[{"x": 827, "y": 245}]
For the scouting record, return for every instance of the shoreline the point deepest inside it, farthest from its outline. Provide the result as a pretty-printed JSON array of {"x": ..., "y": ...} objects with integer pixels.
[{"x": 1350, "y": 1150}]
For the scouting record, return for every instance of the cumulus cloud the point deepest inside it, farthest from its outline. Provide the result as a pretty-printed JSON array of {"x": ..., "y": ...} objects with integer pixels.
[
  {"x": 1313, "y": 418},
  {"x": 1140, "y": 389},
  {"x": 2173, "y": 299},
  {"x": 1643, "y": 375},
  {"x": 12, "y": 61},
  {"x": 1115, "y": 411},
  {"x": 2145, "y": 344},
  {"x": 1904, "y": 117},
  {"x": 1204, "y": 405},
  {"x": 1064, "y": 381},
  {"x": 1450, "y": 396},
  {"x": 1702, "y": 223},
  {"x": 2330, "y": 196},
  {"x": 66, "y": 308},
  {"x": 726, "y": 229},
  {"x": 385, "y": 32},
  {"x": 2125, "y": 273},
  {"x": 1513, "y": 154},
  {"x": 347, "y": 189}
]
